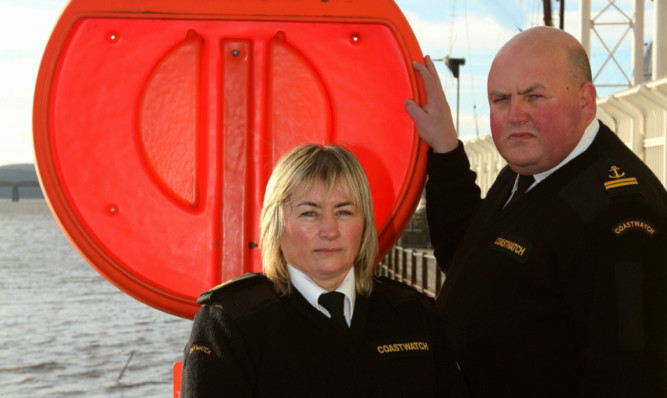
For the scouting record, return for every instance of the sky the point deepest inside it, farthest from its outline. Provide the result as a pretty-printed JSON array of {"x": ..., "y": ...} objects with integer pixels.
[{"x": 470, "y": 29}]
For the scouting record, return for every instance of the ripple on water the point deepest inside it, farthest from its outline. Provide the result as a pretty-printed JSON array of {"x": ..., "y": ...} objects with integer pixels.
[{"x": 66, "y": 331}]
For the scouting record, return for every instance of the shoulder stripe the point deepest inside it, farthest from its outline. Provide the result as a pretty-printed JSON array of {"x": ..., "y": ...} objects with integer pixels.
[{"x": 623, "y": 182}]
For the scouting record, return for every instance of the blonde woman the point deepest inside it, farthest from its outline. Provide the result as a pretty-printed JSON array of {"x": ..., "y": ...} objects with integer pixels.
[{"x": 273, "y": 334}]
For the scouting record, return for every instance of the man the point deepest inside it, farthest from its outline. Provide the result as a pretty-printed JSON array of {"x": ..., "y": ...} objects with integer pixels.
[{"x": 560, "y": 291}]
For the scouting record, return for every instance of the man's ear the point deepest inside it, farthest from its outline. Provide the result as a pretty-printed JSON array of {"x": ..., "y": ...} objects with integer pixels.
[{"x": 588, "y": 95}]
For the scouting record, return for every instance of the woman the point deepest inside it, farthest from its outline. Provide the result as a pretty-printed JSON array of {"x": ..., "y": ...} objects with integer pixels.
[{"x": 272, "y": 335}]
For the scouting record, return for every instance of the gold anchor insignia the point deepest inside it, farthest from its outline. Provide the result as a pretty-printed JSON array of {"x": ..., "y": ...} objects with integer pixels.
[
  {"x": 614, "y": 170},
  {"x": 617, "y": 179}
]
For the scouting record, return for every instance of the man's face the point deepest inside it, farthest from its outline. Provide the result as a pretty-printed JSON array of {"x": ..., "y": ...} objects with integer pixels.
[{"x": 537, "y": 112}]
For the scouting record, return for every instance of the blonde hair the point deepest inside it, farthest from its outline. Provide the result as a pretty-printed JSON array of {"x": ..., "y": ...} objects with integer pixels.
[{"x": 304, "y": 165}]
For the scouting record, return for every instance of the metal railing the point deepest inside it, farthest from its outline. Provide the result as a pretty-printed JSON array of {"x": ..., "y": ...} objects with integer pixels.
[
  {"x": 414, "y": 267},
  {"x": 639, "y": 117}
]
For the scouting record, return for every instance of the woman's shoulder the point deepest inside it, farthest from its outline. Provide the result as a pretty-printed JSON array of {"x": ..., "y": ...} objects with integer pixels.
[
  {"x": 398, "y": 293},
  {"x": 242, "y": 295}
]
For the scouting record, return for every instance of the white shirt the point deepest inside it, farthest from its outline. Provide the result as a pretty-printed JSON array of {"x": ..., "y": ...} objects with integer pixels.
[
  {"x": 311, "y": 291},
  {"x": 586, "y": 140}
]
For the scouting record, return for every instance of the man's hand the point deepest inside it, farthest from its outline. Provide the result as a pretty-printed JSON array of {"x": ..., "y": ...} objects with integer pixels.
[{"x": 433, "y": 121}]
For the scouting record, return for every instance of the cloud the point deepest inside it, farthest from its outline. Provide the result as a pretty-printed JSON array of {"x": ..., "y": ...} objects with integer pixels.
[
  {"x": 480, "y": 33},
  {"x": 24, "y": 31},
  {"x": 510, "y": 14},
  {"x": 475, "y": 36}
]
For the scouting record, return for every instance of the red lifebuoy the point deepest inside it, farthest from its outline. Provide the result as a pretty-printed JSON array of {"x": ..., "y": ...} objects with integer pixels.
[{"x": 157, "y": 124}]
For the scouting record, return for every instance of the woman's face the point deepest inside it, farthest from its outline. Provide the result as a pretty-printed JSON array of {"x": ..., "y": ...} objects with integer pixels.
[{"x": 322, "y": 235}]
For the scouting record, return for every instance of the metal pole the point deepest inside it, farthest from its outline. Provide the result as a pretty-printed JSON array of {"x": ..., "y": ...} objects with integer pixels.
[
  {"x": 453, "y": 64},
  {"x": 458, "y": 82},
  {"x": 585, "y": 25},
  {"x": 546, "y": 6},
  {"x": 638, "y": 44},
  {"x": 659, "y": 54},
  {"x": 562, "y": 15}
]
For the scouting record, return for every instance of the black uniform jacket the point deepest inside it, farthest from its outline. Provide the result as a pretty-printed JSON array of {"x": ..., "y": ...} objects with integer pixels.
[
  {"x": 248, "y": 341},
  {"x": 563, "y": 293}
]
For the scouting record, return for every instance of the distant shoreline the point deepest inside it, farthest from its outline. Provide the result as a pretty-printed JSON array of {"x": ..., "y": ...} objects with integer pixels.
[
  {"x": 3, "y": 199},
  {"x": 22, "y": 176},
  {"x": 24, "y": 193}
]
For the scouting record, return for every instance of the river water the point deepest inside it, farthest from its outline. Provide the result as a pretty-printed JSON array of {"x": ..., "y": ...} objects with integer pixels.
[{"x": 64, "y": 330}]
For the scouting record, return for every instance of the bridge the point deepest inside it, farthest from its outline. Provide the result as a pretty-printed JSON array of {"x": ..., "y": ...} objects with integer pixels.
[
  {"x": 16, "y": 185},
  {"x": 18, "y": 176}
]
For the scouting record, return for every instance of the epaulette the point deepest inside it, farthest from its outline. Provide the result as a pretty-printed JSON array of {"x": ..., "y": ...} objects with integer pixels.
[
  {"x": 241, "y": 295},
  {"x": 399, "y": 292},
  {"x": 617, "y": 179},
  {"x": 595, "y": 188}
]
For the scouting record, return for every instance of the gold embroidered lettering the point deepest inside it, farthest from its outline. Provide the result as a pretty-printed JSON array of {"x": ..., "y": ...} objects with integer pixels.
[
  {"x": 403, "y": 347},
  {"x": 201, "y": 348},
  {"x": 511, "y": 246},
  {"x": 634, "y": 224}
]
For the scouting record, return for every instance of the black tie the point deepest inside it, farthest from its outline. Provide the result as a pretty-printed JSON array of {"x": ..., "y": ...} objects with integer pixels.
[
  {"x": 333, "y": 302},
  {"x": 524, "y": 183}
]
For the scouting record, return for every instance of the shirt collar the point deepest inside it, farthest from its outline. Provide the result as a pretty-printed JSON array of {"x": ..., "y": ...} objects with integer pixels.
[
  {"x": 311, "y": 291},
  {"x": 585, "y": 141}
]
